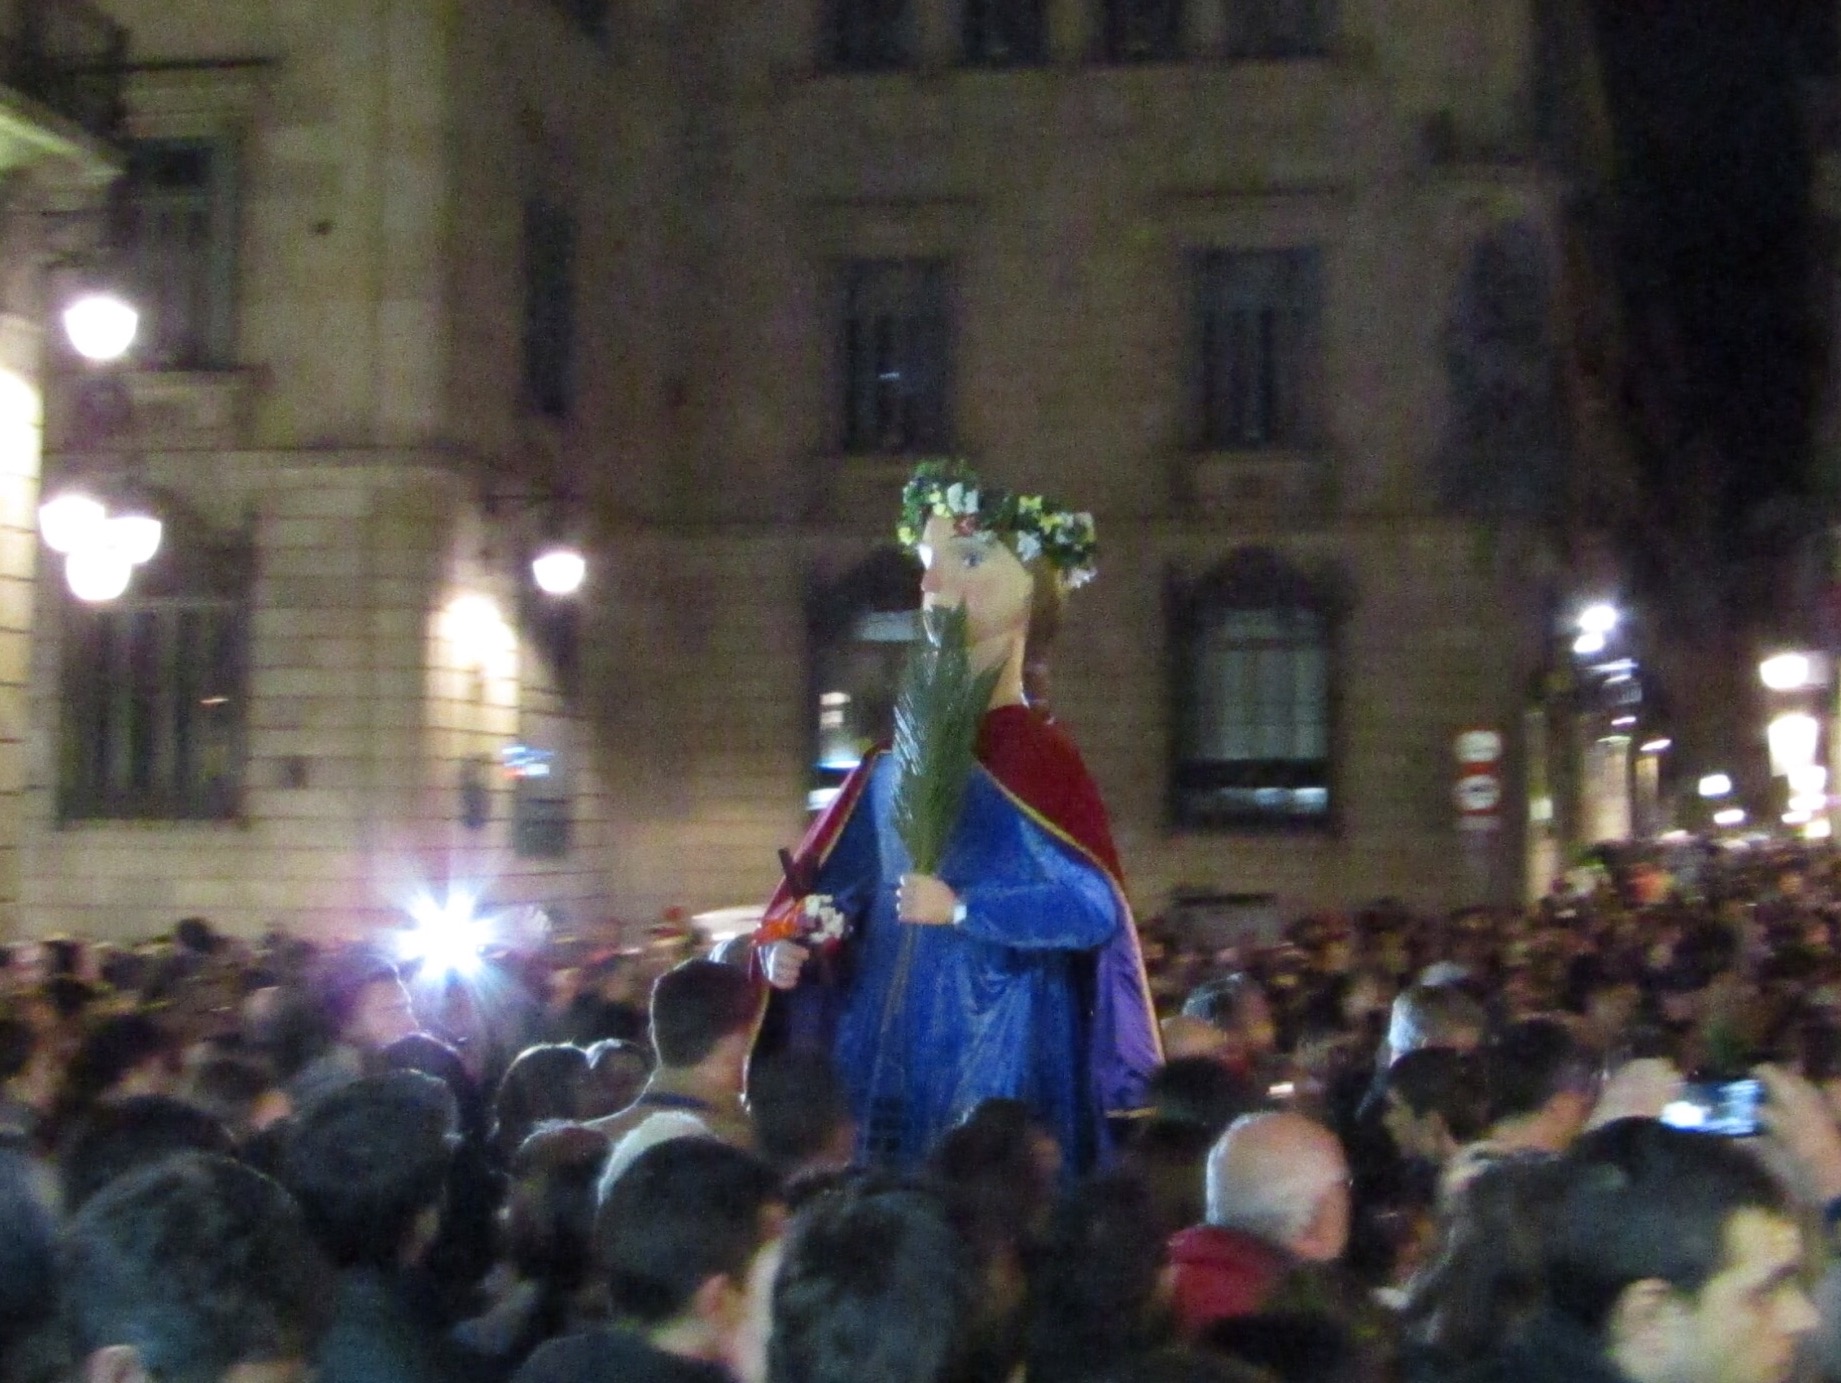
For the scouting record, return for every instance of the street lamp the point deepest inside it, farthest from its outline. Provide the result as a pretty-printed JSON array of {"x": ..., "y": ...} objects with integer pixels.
[
  {"x": 102, "y": 546},
  {"x": 559, "y": 570},
  {"x": 1599, "y": 618},
  {"x": 1787, "y": 672},
  {"x": 101, "y": 326}
]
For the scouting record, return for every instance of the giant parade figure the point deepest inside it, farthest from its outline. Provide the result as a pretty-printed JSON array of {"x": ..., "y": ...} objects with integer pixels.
[{"x": 1008, "y": 966}]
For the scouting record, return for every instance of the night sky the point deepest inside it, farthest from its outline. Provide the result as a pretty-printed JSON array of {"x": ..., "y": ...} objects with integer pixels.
[{"x": 1716, "y": 254}]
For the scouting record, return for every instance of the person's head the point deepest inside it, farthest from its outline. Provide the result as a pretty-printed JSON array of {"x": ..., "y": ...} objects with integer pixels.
[
  {"x": 1201, "y": 1091},
  {"x": 121, "y": 1054},
  {"x": 617, "y": 1072},
  {"x": 1096, "y": 1285},
  {"x": 1483, "y": 1277},
  {"x": 1541, "y": 1079},
  {"x": 1680, "y": 1253},
  {"x": 543, "y": 1084},
  {"x": 368, "y": 1163},
  {"x": 802, "y": 1120},
  {"x": 197, "y": 1270},
  {"x": 871, "y": 1285},
  {"x": 1282, "y": 1178},
  {"x": 1237, "y": 1007},
  {"x": 703, "y": 1015},
  {"x": 123, "y": 1136},
  {"x": 684, "y": 1242},
  {"x": 1434, "y": 1101},
  {"x": 241, "y": 1091},
  {"x": 997, "y": 1168},
  {"x": 1434, "y": 1016},
  {"x": 365, "y": 1001},
  {"x": 550, "y": 1212}
]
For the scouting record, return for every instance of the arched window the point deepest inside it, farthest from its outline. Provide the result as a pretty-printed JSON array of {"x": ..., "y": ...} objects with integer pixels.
[
  {"x": 860, "y": 627},
  {"x": 1254, "y": 696}
]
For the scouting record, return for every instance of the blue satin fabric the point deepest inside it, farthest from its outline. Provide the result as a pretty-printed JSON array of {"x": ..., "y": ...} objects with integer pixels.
[{"x": 929, "y": 1020}]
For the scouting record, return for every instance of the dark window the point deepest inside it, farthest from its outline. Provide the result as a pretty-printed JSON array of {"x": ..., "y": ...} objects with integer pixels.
[
  {"x": 549, "y": 307},
  {"x": 179, "y": 233},
  {"x": 897, "y": 367},
  {"x": 591, "y": 17},
  {"x": 869, "y": 35},
  {"x": 1258, "y": 354},
  {"x": 1142, "y": 30},
  {"x": 860, "y": 631},
  {"x": 1278, "y": 28},
  {"x": 154, "y": 706},
  {"x": 1254, "y": 697},
  {"x": 1005, "y": 33}
]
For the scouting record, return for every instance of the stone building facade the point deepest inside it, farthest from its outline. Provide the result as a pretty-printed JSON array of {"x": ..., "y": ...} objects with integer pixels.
[{"x": 1263, "y": 283}]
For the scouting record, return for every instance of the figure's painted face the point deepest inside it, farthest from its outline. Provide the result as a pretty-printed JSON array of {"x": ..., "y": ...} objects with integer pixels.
[{"x": 979, "y": 572}]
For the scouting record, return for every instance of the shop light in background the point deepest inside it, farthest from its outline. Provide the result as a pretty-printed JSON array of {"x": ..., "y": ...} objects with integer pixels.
[
  {"x": 1715, "y": 785},
  {"x": 1728, "y": 817}
]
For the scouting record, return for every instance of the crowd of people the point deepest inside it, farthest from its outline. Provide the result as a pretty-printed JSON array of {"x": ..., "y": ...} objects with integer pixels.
[{"x": 1386, "y": 1146}]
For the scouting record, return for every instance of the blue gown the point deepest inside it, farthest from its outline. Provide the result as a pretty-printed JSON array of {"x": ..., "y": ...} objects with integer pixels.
[{"x": 926, "y": 1022}]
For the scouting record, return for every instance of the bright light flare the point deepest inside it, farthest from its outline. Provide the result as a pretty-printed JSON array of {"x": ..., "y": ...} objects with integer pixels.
[
  {"x": 1729, "y": 817},
  {"x": 1656, "y": 747},
  {"x": 98, "y": 573},
  {"x": 1589, "y": 643},
  {"x": 1787, "y": 672},
  {"x": 1599, "y": 619},
  {"x": 1715, "y": 785},
  {"x": 71, "y": 520},
  {"x": 446, "y": 937},
  {"x": 101, "y": 326},
  {"x": 1793, "y": 738},
  {"x": 559, "y": 570}
]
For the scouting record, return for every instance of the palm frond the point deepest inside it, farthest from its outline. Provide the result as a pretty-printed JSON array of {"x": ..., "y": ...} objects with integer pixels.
[{"x": 936, "y": 735}]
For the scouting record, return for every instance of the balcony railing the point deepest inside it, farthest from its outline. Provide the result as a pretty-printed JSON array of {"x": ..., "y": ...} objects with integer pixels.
[{"x": 67, "y": 55}]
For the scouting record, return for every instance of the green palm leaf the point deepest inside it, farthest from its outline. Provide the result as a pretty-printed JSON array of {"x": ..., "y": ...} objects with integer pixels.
[{"x": 936, "y": 735}]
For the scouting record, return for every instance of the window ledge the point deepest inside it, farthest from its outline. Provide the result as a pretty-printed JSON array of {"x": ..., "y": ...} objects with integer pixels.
[
  {"x": 174, "y": 410},
  {"x": 1276, "y": 483}
]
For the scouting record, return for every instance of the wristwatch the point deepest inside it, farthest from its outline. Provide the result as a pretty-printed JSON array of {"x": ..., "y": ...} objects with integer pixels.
[{"x": 958, "y": 919}]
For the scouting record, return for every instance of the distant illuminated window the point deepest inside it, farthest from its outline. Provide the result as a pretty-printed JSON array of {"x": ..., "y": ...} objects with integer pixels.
[
  {"x": 861, "y": 627},
  {"x": 1255, "y": 690}
]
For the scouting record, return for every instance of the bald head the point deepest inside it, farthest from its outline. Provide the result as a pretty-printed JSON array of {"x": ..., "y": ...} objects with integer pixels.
[{"x": 1282, "y": 1178}]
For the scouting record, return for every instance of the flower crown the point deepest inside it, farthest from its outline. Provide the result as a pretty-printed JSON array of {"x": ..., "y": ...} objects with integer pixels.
[{"x": 1035, "y": 527}]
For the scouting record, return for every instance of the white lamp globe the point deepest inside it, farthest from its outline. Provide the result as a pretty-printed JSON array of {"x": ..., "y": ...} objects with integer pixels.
[
  {"x": 1598, "y": 619},
  {"x": 101, "y": 326},
  {"x": 1786, "y": 672},
  {"x": 72, "y": 520},
  {"x": 97, "y": 573},
  {"x": 559, "y": 570},
  {"x": 135, "y": 536}
]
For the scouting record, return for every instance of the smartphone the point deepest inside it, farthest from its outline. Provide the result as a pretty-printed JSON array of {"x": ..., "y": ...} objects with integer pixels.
[{"x": 1728, "y": 1108}]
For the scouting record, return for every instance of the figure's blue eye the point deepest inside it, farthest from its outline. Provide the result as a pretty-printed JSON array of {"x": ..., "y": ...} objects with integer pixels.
[{"x": 974, "y": 558}]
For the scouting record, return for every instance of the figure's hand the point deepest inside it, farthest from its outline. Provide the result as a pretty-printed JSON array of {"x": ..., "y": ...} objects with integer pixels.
[
  {"x": 925, "y": 900},
  {"x": 1798, "y": 1120},
  {"x": 781, "y": 963}
]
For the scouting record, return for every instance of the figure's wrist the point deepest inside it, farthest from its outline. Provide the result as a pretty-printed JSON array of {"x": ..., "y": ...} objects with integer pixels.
[{"x": 958, "y": 913}]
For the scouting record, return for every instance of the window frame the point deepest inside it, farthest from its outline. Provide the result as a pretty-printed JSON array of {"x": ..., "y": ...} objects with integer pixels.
[
  {"x": 852, "y": 45},
  {"x": 853, "y": 421},
  {"x": 1297, "y": 405},
  {"x": 214, "y": 339},
  {"x": 974, "y": 46},
  {"x": 1269, "y": 47},
  {"x": 1115, "y": 41},
  {"x": 1250, "y": 579},
  {"x": 89, "y": 790},
  {"x": 885, "y": 582},
  {"x": 549, "y": 342}
]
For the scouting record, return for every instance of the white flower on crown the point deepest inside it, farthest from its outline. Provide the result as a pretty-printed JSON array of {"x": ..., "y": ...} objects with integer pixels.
[
  {"x": 1028, "y": 547},
  {"x": 960, "y": 500}
]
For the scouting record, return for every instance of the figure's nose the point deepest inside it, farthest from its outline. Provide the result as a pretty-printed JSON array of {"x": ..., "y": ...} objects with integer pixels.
[{"x": 930, "y": 580}]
